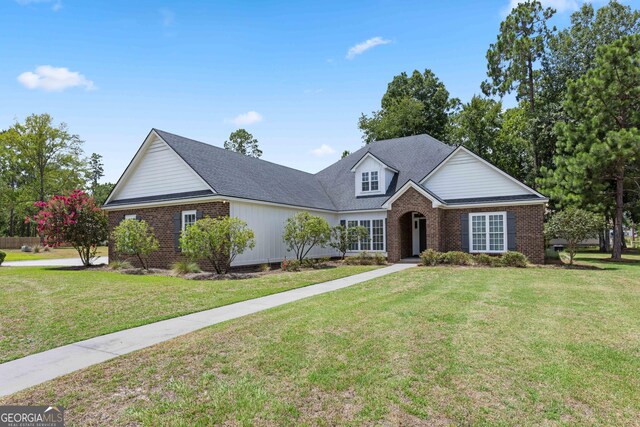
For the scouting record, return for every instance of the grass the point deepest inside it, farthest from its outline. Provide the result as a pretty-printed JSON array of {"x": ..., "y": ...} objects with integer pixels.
[
  {"x": 427, "y": 346},
  {"x": 17, "y": 255},
  {"x": 43, "y": 307}
]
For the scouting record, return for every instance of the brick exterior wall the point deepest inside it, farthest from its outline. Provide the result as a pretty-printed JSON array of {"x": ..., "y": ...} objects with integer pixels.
[
  {"x": 161, "y": 219},
  {"x": 443, "y": 227},
  {"x": 399, "y": 233},
  {"x": 529, "y": 229}
]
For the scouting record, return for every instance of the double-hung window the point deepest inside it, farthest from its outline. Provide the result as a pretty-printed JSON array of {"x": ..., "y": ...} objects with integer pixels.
[
  {"x": 365, "y": 181},
  {"x": 377, "y": 234},
  {"x": 374, "y": 181},
  {"x": 488, "y": 232},
  {"x": 353, "y": 246},
  {"x": 365, "y": 243},
  {"x": 370, "y": 181},
  {"x": 188, "y": 219},
  {"x": 132, "y": 216}
]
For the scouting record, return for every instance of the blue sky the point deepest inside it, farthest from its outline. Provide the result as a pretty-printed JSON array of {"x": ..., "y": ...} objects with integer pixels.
[{"x": 112, "y": 70}]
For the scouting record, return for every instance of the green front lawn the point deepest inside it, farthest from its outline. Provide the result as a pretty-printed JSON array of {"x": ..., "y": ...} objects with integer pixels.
[
  {"x": 42, "y": 308},
  {"x": 57, "y": 253},
  {"x": 427, "y": 346}
]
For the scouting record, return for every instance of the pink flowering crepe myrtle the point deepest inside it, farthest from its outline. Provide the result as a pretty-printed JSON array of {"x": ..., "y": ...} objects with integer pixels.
[{"x": 75, "y": 220}]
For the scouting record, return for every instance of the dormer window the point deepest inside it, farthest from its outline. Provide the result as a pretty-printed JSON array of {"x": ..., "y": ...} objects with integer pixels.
[
  {"x": 365, "y": 181},
  {"x": 374, "y": 181},
  {"x": 370, "y": 181}
]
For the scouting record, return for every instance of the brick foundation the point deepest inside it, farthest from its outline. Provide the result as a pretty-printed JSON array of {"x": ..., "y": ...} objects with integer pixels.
[
  {"x": 443, "y": 227},
  {"x": 161, "y": 219}
]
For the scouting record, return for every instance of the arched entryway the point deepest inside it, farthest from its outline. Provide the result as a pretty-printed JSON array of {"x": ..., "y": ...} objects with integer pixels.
[{"x": 413, "y": 234}]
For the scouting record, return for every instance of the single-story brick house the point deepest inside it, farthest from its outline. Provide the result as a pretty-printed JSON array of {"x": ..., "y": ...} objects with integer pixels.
[{"x": 411, "y": 193}]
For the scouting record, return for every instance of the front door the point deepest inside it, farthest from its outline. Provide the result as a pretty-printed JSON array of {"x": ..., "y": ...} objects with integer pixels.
[{"x": 419, "y": 235}]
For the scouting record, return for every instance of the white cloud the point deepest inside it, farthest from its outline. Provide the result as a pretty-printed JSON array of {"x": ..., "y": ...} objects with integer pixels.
[
  {"x": 168, "y": 17},
  {"x": 366, "y": 45},
  {"x": 54, "y": 79},
  {"x": 247, "y": 118},
  {"x": 559, "y": 5},
  {"x": 323, "y": 150},
  {"x": 56, "y": 5}
]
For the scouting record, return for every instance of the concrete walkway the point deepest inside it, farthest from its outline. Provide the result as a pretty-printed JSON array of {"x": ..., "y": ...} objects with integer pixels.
[
  {"x": 38, "y": 368},
  {"x": 57, "y": 262}
]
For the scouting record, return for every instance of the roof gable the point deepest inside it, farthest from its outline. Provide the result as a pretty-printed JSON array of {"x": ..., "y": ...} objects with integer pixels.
[
  {"x": 464, "y": 175},
  {"x": 157, "y": 170}
]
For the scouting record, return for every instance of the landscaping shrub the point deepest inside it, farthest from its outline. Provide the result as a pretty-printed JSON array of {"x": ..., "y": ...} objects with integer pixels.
[
  {"x": 364, "y": 258},
  {"x": 120, "y": 265},
  {"x": 551, "y": 253},
  {"x": 457, "y": 258},
  {"x": 135, "y": 238},
  {"x": 265, "y": 267},
  {"x": 290, "y": 265},
  {"x": 342, "y": 237},
  {"x": 513, "y": 259},
  {"x": 380, "y": 259},
  {"x": 185, "y": 267},
  {"x": 3, "y": 255},
  {"x": 430, "y": 257},
  {"x": 218, "y": 240},
  {"x": 487, "y": 260},
  {"x": 574, "y": 225},
  {"x": 304, "y": 231},
  {"x": 37, "y": 249}
]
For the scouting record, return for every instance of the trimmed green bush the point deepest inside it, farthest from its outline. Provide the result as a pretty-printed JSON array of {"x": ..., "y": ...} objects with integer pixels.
[
  {"x": 3, "y": 255},
  {"x": 457, "y": 258},
  {"x": 379, "y": 259},
  {"x": 514, "y": 259},
  {"x": 430, "y": 257},
  {"x": 185, "y": 267},
  {"x": 487, "y": 260},
  {"x": 363, "y": 258},
  {"x": 120, "y": 265},
  {"x": 290, "y": 265}
]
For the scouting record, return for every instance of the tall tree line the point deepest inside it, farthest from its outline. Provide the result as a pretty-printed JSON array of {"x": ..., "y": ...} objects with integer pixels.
[
  {"x": 37, "y": 160},
  {"x": 574, "y": 132}
]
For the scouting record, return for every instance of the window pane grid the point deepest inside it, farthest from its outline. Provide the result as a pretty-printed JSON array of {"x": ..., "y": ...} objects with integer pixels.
[
  {"x": 352, "y": 246},
  {"x": 478, "y": 231},
  {"x": 365, "y": 244},
  {"x": 487, "y": 233},
  {"x": 365, "y": 181},
  {"x": 374, "y": 181},
  {"x": 378, "y": 235}
]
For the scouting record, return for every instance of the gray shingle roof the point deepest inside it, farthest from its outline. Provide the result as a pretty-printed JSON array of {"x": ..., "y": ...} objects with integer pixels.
[
  {"x": 413, "y": 156},
  {"x": 235, "y": 175}
]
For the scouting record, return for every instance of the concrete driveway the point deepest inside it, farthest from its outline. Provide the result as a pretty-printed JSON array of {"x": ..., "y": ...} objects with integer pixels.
[{"x": 59, "y": 262}]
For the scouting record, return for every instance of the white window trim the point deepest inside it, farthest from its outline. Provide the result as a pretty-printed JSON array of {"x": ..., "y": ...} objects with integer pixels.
[
  {"x": 363, "y": 181},
  {"x": 487, "y": 232},
  {"x": 131, "y": 216},
  {"x": 384, "y": 235},
  {"x": 184, "y": 214}
]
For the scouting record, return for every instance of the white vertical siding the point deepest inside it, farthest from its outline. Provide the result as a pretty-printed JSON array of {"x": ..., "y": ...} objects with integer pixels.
[
  {"x": 160, "y": 171},
  {"x": 267, "y": 222},
  {"x": 463, "y": 176}
]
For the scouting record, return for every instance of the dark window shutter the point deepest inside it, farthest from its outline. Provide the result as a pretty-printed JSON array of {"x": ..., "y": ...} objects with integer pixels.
[
  {"x": 464, "y": 232},
  {"x": 343, "y": 223},
  {"x": 177, "y": 229},
  {"x": 198, "y": 215},
  {"x": 511, "y": 231}
]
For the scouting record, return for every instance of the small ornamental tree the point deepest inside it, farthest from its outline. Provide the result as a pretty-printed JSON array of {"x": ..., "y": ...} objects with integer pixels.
[
  {"x": 342, "y": 237},
  {"x": 75, "y": 220},
  {"x": 303, "y": 231},
  {"x": 218, "y": 240},
  {"x": 135, "y": 238},
  {"x": 574, "y": 225}
]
